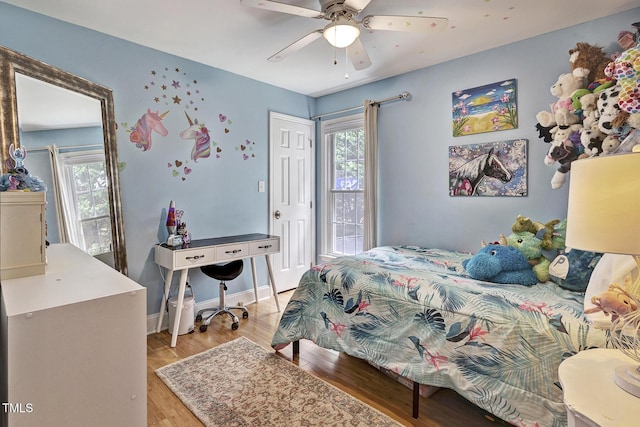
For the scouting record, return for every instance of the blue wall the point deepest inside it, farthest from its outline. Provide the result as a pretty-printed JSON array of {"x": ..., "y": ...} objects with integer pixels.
[
  {"x": 220, "y": 196},
  {"x": 414, "y": 205}
]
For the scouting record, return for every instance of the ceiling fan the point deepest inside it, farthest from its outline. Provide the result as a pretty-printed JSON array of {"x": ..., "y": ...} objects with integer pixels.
[{"x": 344, "y": 29}]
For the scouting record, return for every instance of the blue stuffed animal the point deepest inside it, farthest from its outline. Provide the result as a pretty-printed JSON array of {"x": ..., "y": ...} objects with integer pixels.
[{"x": 500, "y": 264}]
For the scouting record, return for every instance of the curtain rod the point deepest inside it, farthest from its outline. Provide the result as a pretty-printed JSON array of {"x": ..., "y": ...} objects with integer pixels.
[
  {"x": 68, "y": 147},
  {"x": 404, "y": 95}
]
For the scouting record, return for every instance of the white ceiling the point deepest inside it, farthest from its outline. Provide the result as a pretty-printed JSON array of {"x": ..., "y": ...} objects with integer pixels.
[{"x": 233, "y": 37}]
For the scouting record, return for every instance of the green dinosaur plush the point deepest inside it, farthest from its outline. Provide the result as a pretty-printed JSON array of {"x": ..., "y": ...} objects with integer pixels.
[
  {"x": 544, "y": 232},
  {"x": 531, "y": 247}
]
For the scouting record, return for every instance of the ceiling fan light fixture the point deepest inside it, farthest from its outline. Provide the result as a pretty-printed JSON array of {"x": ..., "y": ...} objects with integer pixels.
[{"x": 341, "y": 32}]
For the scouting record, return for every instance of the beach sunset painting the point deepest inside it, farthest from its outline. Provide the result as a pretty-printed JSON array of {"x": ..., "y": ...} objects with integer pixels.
[{"x": 487, "y": 108}]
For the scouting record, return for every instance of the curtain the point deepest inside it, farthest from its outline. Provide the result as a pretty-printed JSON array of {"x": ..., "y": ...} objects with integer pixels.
[
  {"x": 56, "y": 188},
  {"x": 371, "y": 174},
  {"x": 65, "y": 208}
]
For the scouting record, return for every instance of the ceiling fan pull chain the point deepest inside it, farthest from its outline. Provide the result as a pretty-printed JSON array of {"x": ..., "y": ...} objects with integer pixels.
[{"x": 346, "y": 65}]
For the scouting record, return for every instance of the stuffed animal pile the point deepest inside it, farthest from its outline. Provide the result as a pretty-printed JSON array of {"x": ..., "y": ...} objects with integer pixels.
[
  {"x": 542, "y": 246},
  {"x": 597, "y": 110},
  {"x": 537, "y": 243}
]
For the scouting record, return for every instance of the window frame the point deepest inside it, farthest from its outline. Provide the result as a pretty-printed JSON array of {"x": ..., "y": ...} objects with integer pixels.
[
  {"x": 354, "y": 121},
  {"x": 68, "y": 161}
]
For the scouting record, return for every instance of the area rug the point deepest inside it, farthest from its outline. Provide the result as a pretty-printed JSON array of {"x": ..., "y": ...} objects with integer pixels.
[{"x": 240, "y": 383}]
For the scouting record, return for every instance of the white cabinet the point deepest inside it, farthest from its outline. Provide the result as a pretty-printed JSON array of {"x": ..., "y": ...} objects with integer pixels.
[
  {"x": 22, "y": 234},
  {"x": 73, "y": 345}
]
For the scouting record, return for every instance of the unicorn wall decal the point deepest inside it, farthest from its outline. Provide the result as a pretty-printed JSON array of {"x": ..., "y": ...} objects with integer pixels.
[
  {"x": 198, "y": 132},
  {"x": 141, "y": 132},
  {"x": 465, "y": 179}
]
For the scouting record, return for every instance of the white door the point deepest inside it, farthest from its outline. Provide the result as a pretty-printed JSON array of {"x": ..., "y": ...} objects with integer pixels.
[{"x": 291, "y": 196}]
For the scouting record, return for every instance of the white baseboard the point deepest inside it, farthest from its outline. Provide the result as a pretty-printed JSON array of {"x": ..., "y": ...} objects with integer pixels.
[{"x": 239, "y": 298}]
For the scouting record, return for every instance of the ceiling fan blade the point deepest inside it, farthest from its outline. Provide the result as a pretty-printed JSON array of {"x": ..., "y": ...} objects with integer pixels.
[
  {"x": 277, "y": 6},
  {"x": 296, "y": 46},
  {"x": 358, "y": 55},
  {"x": 413, "y": 24},
  {"x": 357, "y": 5}
]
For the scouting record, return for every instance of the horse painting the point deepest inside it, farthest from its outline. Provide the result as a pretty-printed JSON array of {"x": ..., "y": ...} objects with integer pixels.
[
  {"x": 465, "y": 179},
  {"x": 141, "y": 132},
  {"x": 198, "y": 132}
]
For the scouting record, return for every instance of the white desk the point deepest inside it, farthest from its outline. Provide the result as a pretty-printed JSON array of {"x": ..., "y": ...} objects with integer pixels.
[
  {"x": 211, "y": 251},
  {"x": 591, "y": 394}
]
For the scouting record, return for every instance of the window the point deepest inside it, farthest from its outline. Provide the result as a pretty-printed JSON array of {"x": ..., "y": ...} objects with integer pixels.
[
  {"x": 85, "y": 181},
  {"x": 343, "y": 186}
]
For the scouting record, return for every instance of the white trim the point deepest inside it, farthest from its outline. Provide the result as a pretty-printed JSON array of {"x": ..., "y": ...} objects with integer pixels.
[
  {"x": 240, "y": 298},
  {"x": 342, "y": 123},
  {"x": 327, "y": 258}
]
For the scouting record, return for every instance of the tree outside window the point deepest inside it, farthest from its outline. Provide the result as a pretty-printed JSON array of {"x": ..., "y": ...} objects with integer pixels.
[
  {"x": 86, "y": 181},
  {"x": 344, "y": 210}
]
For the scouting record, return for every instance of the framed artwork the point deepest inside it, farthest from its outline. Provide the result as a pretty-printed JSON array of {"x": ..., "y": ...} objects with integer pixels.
[
  {"x": 488, "y": 108},
  {"x": 488, "y": 169}
]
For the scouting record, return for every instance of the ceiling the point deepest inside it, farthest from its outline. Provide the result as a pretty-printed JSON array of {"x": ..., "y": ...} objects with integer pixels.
[{"x": 228, "y": 35}]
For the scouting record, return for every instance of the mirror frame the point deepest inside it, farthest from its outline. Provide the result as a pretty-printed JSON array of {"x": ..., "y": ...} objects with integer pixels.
[{"x": 12, "y": 62}]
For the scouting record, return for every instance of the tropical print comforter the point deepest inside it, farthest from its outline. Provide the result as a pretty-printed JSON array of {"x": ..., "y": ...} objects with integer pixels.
[{"x": 416, "y": 312}]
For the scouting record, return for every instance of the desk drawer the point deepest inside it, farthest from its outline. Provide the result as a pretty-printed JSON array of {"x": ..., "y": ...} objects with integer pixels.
[
  {"x": 229, "y": 252},
  {"x": 263, "y": 247},
  {"x": 194, "y": 257}
]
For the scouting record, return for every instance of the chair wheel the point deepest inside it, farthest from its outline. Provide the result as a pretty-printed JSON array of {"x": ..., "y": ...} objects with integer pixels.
[
  {"x": 198, "y": 317},
  {"x": 245, "y": 315},
  {"x": 234, "y": 326},
  {"x": 203, "y": 328}
]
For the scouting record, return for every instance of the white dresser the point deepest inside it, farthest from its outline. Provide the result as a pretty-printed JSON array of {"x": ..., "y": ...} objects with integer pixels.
[{"x": 73, "y": 345}]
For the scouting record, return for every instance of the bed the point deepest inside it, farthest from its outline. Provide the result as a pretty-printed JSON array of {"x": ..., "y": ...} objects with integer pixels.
[{"x": 416, "y": 312}]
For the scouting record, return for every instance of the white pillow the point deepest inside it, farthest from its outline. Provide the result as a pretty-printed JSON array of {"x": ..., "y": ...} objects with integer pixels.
[{"x": 612, "y": 268}]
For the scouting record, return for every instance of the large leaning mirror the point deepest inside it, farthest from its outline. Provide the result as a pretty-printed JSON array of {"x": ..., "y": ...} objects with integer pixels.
[{"x": 74, "y": 154}]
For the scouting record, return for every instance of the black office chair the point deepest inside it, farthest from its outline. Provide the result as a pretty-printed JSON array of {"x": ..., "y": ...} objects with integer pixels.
[{"x": 223, "y": 273}]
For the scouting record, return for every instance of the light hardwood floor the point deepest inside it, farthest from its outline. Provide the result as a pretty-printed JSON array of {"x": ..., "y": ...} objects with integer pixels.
[{"x": 354, "y": 376}]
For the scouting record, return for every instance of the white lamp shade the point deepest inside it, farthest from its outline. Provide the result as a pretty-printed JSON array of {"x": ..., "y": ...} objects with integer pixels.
[
  {"x": 341, "y": 33},
  {"x": 604, "y": 204}
]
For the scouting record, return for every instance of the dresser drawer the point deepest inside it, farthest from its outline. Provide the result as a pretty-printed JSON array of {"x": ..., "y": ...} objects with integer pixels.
[
  {"x": 263, "y": 247},
  {"x": 235, "y": 251},
  {"x": 194, "y": 257}
]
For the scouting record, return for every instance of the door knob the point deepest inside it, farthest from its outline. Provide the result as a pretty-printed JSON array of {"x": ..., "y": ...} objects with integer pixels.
[{"x": 277, "y": 214}]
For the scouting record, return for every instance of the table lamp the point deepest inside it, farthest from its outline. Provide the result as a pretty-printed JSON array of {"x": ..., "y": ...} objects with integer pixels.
[
  {"x": 172, "y": 224},
  {"x": 604, "y": 216}
]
